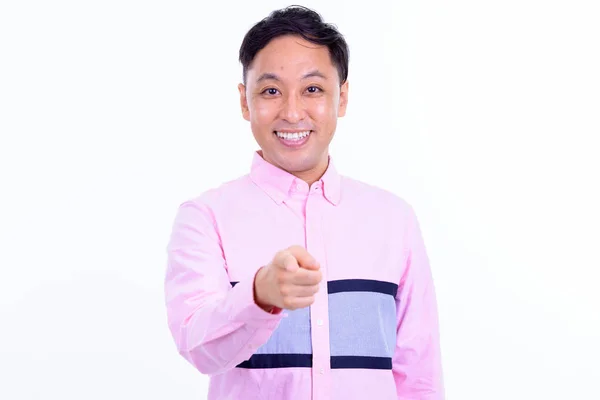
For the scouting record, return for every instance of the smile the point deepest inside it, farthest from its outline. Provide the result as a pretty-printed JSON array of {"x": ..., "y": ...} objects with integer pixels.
[
  {"x": 293, "y": 140},
  {"x": 292, "y": 135}
]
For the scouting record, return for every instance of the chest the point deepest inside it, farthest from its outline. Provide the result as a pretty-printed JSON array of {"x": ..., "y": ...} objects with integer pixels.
[{"x": 350, "y": 241}]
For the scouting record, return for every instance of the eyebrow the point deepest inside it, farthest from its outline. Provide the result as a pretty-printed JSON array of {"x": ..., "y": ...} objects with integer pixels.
[{"x": 274, "y": 77}]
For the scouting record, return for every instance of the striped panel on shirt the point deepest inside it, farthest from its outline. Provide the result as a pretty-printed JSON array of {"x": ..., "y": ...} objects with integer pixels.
[{"x": 362, "y": 329}]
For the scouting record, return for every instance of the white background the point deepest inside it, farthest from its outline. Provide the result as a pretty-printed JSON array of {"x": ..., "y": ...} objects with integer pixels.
[{"x": 483, "y": 115}]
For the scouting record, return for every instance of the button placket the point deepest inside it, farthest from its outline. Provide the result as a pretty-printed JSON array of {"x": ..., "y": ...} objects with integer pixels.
[{"x": 319, "y": 310}]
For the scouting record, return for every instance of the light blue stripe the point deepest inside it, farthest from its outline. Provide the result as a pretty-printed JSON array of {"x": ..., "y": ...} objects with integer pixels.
[
  {"x": 292, "y": 336},
  {"x": 362, "y": 324}
]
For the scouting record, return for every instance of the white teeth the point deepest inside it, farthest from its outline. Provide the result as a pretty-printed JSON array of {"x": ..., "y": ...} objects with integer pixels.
[{"x": 293, "y": 136}]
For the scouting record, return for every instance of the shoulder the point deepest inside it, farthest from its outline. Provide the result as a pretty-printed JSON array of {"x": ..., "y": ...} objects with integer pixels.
[
  {"x": 376, "y": 196},
  {"x": 222, "y": 193},
  {"x": 392, "y": 210},
  {"x": 212, "y": 200}
]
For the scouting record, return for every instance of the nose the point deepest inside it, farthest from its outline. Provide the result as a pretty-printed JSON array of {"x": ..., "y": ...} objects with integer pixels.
[{"x": 292, "y": 109}]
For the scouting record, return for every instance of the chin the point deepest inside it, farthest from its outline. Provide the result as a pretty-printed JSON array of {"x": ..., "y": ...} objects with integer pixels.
[{"x": 297, "y": 162}]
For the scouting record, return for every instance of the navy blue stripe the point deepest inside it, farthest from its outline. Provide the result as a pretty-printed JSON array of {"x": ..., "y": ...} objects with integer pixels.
[
  {"x": 358, "y": 285},
  {"x": 278, "y": 361},
  {"x": 362, "y": 285},
  {"x": 344, "y": 362},
  {"x": 264, "y": 361}
]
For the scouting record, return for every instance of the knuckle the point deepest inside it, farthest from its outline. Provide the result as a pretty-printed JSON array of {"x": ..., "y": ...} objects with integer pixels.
[
  {"x": 288, "y": 303},
  {"x": 280, "y": 278},
  {"x": 285, "y": 291}
]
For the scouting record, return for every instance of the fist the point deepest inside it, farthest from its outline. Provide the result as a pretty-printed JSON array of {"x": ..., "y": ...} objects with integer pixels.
[{"x": 289, "y": 281}]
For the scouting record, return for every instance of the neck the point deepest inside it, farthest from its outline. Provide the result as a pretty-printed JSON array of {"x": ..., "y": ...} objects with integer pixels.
[{"x": 311, "y": 176}]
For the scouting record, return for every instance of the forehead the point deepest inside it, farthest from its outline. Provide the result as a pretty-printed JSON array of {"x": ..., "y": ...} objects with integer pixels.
[{"x": 291, "y": 56}]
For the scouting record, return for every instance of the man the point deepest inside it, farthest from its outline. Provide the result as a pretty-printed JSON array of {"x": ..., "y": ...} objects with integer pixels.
[{"x": 295, "y": 282}]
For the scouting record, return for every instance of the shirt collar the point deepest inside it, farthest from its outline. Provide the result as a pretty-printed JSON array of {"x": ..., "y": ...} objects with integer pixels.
[{"x": 279, "y": 184}]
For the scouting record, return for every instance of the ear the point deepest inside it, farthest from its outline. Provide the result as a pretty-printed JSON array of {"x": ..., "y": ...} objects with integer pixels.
[
  {"x": 343, "y": 99},
  {"x": 244, "y": 102}
]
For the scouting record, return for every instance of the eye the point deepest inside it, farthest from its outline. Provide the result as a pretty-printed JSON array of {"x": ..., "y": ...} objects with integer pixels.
[
  {"x": 313, "y": 89},
  {"x": 270, "y": 91}
]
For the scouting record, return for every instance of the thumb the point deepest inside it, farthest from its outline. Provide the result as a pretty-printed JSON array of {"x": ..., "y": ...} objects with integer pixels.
[{"x": 287, "y": 261}]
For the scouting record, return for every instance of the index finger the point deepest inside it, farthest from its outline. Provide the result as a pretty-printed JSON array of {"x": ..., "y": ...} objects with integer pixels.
[{"x": 305, "y": 260}]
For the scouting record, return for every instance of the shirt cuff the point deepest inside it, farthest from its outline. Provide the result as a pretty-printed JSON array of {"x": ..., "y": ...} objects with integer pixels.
[{"x": 246, "y": 310}]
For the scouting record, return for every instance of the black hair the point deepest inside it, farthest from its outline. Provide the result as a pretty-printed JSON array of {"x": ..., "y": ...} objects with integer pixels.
[{"x": 295, "y": 20}]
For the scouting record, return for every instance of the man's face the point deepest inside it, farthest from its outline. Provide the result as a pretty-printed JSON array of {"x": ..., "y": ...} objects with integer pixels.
[{"x": 293, "y": 90}]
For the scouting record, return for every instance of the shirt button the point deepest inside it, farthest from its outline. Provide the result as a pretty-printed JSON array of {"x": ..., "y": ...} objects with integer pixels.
[
  {"x": 299, "y": 186},
  {"x": 321, "y": 371},
  {"x": 320, "y": 322}
]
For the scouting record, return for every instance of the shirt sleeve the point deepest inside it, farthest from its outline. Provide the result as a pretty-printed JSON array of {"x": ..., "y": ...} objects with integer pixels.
[
  {"x": 215, "y": 326},
  {"x": 416, "y": 364}
]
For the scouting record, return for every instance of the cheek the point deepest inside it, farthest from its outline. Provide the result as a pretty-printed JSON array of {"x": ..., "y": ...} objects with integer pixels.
[
  {"x": 324, "y": 110},
  {"x": 263, "y": 112}
]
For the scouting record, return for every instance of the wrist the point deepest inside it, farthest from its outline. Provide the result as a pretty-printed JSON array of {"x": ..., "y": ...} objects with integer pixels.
[{"x": 259, "y": 292}]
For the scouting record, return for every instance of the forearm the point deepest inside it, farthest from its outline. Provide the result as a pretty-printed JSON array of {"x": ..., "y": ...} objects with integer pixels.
[
  {"x": 219, "y": 333},
  {"x": 417, "y": 363},
  {"x": 214, "y": 326}
]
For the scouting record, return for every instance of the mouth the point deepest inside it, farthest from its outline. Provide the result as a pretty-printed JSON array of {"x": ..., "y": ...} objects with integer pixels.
[{"x": 293, "y": 139}]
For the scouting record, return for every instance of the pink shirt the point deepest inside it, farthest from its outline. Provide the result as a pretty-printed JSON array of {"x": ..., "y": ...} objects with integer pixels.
[{"x": 372, "y": 332}]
